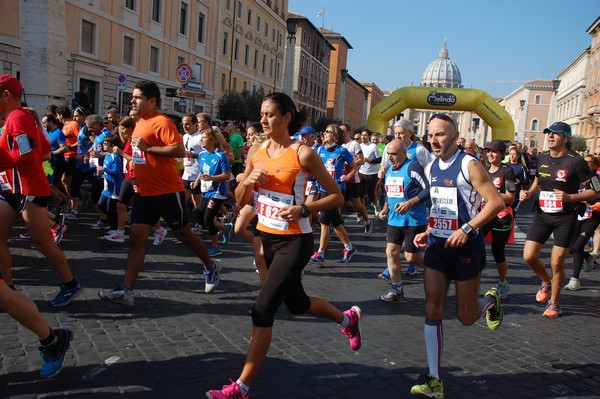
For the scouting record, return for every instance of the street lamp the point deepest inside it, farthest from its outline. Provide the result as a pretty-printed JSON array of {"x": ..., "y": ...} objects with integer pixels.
[
  {"x": 522, "y": 102},
  {"x": 555, "y": 84},
  {"x": 288, "y": 75},
  {"x": 342, "y": 101}
]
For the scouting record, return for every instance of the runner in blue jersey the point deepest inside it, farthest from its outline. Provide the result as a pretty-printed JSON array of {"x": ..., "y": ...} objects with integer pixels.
[
  {"x": 335, "y": 157},
  {"x": 407, "y": 190}
]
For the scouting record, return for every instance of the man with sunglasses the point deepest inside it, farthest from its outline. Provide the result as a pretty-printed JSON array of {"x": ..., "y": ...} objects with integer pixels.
[
  {"x": 455, "y": 248},
  {"x": 560, "y": 172}
]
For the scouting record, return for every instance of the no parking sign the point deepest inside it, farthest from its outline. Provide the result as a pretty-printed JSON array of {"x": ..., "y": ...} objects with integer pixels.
[{"x": 183, "y": 73}]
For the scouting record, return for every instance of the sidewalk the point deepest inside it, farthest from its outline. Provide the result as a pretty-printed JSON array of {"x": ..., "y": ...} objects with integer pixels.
[{"x": 179, "y": 342}]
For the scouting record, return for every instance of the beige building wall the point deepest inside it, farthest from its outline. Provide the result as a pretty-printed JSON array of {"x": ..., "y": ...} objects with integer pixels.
[
  {"x": 337, "y": 63},
  {"x": 374, "y": 97},
  {"x": 355, "y": 103},
  {"x": 590, "y": 128}
]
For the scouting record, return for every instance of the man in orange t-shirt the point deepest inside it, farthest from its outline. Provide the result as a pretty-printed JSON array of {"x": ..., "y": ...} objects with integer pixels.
[{"x": 155, "y": 143}]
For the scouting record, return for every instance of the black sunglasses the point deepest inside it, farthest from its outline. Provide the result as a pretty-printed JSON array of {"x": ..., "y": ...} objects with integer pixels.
[{"x": 443, "y": 117}]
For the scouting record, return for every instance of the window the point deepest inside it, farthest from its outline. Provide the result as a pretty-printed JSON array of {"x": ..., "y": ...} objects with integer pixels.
[
  {"x": 273, "y": 35},
  {"x": 154, "y": 59},
  {"x": 246, "y": 54},
  {"x": 271, "y": 68},
  {"x": 199, "y": 77},
  {"x": 245, "y": 85},
  {"x": 180, "y": 60},
  {"x": 201, "y": 18},
  {"x": 535, "y": 125},
  {"x": 249, "y": 17},
  {"x": 228, "y": 5},
  {"x": 128, "y": 47},
  {"x": 538, "y": 99},
  {"x": 236, "y": 49},
  {"x": 223, "y": 80},
  {"x": 255, "y": 66},
  {"x": 88, "y": 37},
  {"x": 266, "y": 29},
  {"x": 130, "y": 4},
  {"x": 234, "y": 84},
  {"x": 225, "y": 41},
  {"x": 183, "y": 18},
  {"x": 258, "y": 23},
  {"x": 156, "y": 10},
  {"x": 264, "y": 63},
  {"x": 239, "y": 9}
]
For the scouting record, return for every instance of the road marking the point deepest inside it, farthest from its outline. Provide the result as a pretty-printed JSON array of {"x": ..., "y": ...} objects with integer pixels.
[{"x": 101, "y": 368}]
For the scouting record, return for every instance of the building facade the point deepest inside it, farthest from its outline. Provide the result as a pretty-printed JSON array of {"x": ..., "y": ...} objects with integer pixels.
[
  {"x": 57, "y": 46},
  {"x": 590, "y": 127}
]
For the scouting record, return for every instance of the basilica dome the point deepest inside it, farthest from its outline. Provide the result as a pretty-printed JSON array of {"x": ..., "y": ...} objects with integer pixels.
[{"x": 442, "y": 72}]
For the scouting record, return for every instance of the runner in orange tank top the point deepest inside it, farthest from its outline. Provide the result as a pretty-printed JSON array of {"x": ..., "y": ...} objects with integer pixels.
[{"x": 275, "y": 175}]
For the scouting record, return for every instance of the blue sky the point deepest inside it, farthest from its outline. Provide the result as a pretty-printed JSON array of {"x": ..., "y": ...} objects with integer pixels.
[{"x": 497, "y": 44}]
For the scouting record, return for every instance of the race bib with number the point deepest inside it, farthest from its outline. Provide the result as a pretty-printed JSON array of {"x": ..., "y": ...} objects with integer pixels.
[
  {"x": 268, "y": 207},
  {"x": 548, "y": 202},
  {"x": 394, "y": 187},
  {"x": 4, "y": 183},
  {"x": 443, "y": 218},
  {"x": 138, "y": 156},
  {"x": 206, "y": 186},
  {"x": 330, "y": 167}
]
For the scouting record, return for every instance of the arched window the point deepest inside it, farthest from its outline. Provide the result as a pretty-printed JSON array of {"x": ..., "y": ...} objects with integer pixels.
[{"x": 535, "y": 125}]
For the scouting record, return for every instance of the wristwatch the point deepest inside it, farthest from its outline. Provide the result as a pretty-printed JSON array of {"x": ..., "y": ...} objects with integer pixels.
[
  {"x": 305, "y": 211},
  {"x": 466, "y": 228}
]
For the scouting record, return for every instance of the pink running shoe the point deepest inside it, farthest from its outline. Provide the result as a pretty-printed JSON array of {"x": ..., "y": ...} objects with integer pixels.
[
  {"x": 543, "y": 293},
  {"x": 232, "y": 391},
  {"x": 353, "y": 330}
]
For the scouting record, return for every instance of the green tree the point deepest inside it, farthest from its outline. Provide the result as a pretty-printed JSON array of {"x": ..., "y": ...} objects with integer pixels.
[
  {"x": 231, "y": 106},
  {"x": 253, "y": 101},
  {"x": 323, "y": 122},
  {"x": 578, "y": 144}
]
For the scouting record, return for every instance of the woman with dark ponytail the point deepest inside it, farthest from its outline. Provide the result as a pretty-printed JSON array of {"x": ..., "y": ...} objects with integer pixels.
[{"x": 275, "y": 176}]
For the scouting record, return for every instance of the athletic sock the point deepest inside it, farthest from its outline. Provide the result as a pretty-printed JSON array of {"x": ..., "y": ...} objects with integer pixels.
[
  {"x": 346, "y": 321},
  {"x": 243, "y": 387},
  {"x": 434, "y": 342},
  {"x": 51, "y": 339},
  {"x": 348, "y": 246},
  {"x": 484, "y": 304},
  {"x": 71, "y": 284}
]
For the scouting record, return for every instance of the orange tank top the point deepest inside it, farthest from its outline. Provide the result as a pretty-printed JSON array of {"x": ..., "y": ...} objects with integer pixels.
[{"x": 284, "y": 187}]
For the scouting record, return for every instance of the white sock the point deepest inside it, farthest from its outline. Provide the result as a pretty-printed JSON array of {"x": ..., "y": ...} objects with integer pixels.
[
  {"x": 349, "y": 246},
  {"x": 434, "y": 342},
  {"x": 346, "y": 321},
  {"x": 243, "y": 387}
]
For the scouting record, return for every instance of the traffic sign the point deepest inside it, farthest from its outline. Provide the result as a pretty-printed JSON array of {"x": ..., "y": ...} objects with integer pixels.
[
  {"x": 187, "y": 93},
  {"x": 182, "y": 101},
  {"x": 121, "y": 82},
  {"x": 184, "y": 73}
]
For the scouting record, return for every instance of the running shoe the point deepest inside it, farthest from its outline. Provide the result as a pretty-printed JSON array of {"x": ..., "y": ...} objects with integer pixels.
[
  {"x": 552, "y": 310},
  {"x": 317, "y": 259},
  {"x": 353, "y": 330},
  {"x": 412, "y": 269},
  {"x": 543, "y": 293},
  {"x": 573, "y": 285},
  {"x": 115, "y": 236},
  {"x": 359, "y": 217},
  {"x": 214, "y": 251},
  {"x": 394, "y": 295},
  {"x": 368, "y": 228},
  {"x": 53, "y": 355},
  {"x": 503, "y": 289},
  {"x": 59, "y": 232},
  {"x": 25, "y": 236},
  {"x": 159, "y": 236},
  {"x": 212, "y": 277},
  {"x": 494, "y": 314},
  {"x": 385, "y": 275},
  {"x": 227, "y": 233},
  {"x": 428, "y": 387},
  {"x": 197, "y": 229},
  {"x": 121, "y": 295},
  {"x": 72, "y": 215},
  {"x": 66, "y": 295},
  {"x": 348, "y": 254},
  {"x": 231, "y": 391},
  {"x": 589, "y": 262},
  {"x": 101, "y": 225},
  {"x": 175, "y": 241}
]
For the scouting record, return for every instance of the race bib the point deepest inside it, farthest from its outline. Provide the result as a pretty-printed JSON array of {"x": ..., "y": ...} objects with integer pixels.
[
  {"x": 587, "y": 214},
  {"x": 394, "y": 187},
  {"x": 93, "y": 162},
  {"x": 268, "y": 207},
  {"x": 188, "y": 161},
  {"x": 330, "y": 167},
  {"x": 206, "y": 186},
  {"x": 443, "y": 217},
  {"x": 138, "y": 156},
  {"x": 4, "y": 183},
  {"x": 548, "y": 202},
  {"x": 309, "y": 185}
]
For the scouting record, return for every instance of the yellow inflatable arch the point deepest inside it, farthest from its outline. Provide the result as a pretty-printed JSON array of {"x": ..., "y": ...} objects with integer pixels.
[{"x": 443, "y": 99}]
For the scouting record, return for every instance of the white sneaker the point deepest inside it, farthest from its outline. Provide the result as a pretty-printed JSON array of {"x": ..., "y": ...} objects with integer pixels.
[
  {"x": 573, "y": 285},
  {"x": 159, "y": 236},
  {"x": 115, "y": 236}
]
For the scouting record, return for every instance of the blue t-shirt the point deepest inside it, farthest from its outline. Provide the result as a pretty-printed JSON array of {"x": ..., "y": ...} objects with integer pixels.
[
  {"x": 213, "y": 163},
  {"x": 403, "y": 184},
  {"x": 56, "y": 138},
  {"x": 113, "y": 176},
  {"x": 335, "y": 161},
  {"x": 84, "y": 143}
]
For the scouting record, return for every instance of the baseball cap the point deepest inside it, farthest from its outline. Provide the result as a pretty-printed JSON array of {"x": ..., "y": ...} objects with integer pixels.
[
  {"x": 496, "y": 146},
  {"x": 306, "y": 130},
  {"x": 559, "y": 127},
  {"x": 10, "y": 83}
]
